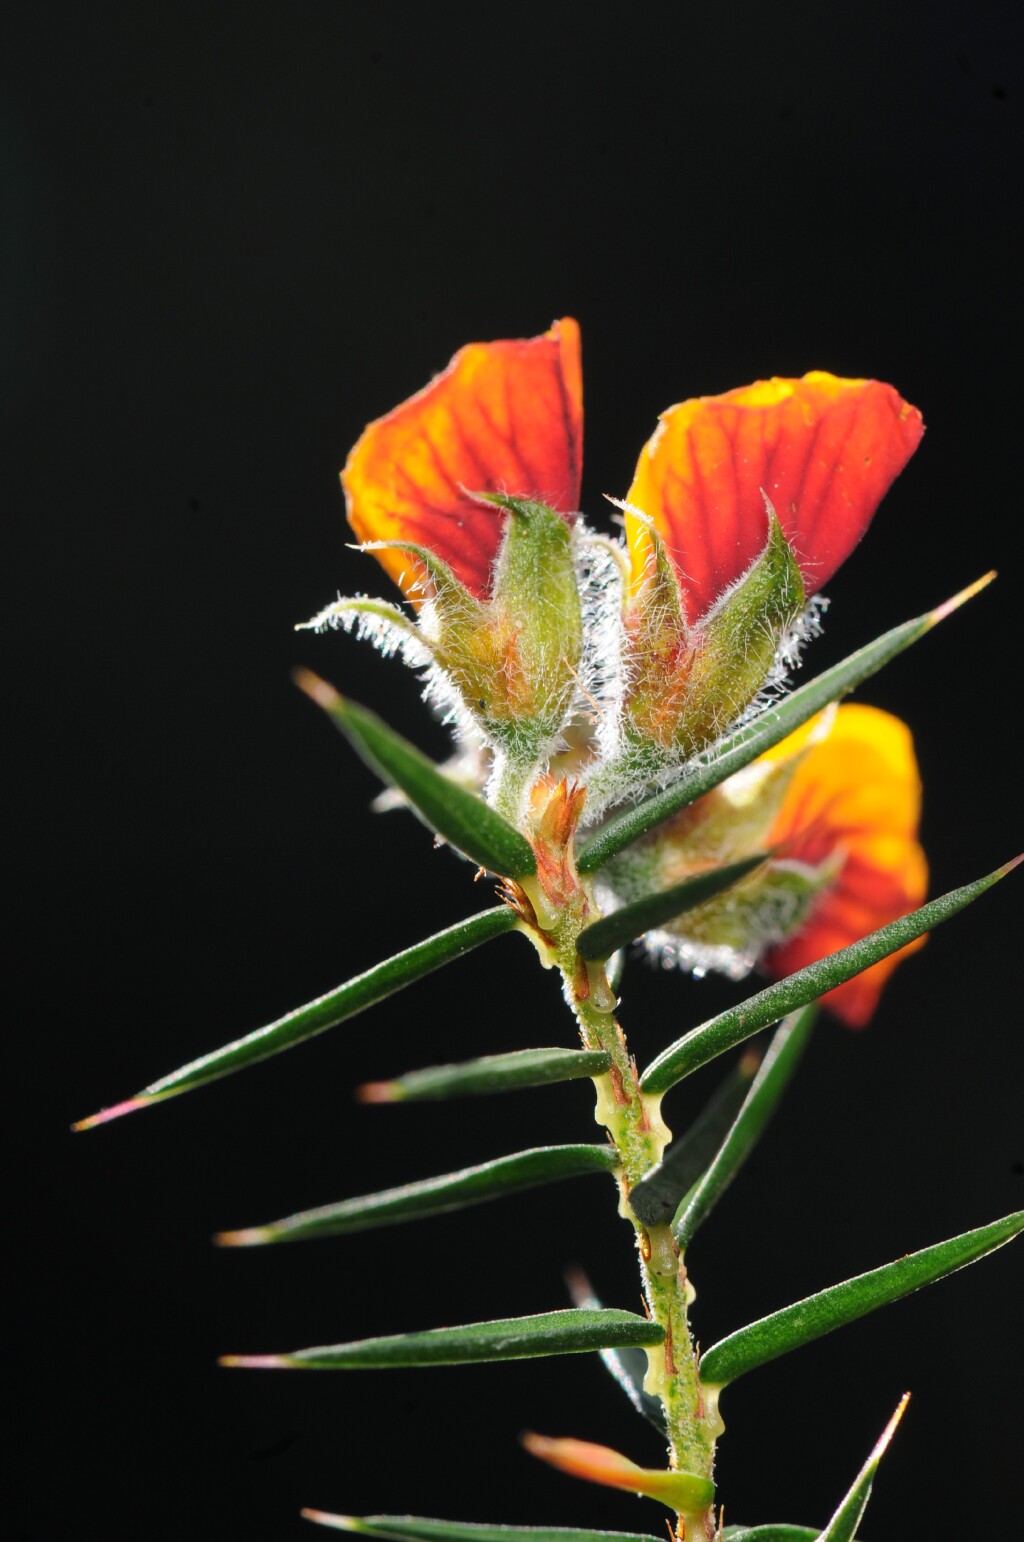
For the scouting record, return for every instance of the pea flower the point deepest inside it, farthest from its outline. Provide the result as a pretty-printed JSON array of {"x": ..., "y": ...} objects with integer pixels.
[
  {"x": 565, "y": 657},
  {"x": 837, "y": 806}
]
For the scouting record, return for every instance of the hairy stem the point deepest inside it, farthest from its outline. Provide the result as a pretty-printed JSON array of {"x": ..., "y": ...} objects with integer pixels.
[{"x": 639, "y": 1134}]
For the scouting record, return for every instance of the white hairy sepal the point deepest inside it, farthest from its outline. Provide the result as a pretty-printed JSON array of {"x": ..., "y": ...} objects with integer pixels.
[
  {"x": 384, "y": 625},
  {"x": 624, "y": 771}
]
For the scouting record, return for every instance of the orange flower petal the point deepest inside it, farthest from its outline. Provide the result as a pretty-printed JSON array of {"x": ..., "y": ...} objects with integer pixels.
[
  {"x": 859, "y": 792},
  {"x": 503, "y": 417},
  {"x": 823, "y": 449}
]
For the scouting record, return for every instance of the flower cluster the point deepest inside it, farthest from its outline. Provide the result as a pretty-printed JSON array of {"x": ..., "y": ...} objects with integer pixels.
[{"x": 567, "y": 658}]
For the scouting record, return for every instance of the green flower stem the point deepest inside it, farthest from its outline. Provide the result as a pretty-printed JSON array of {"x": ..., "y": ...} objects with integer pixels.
[{"x": 635, "y": 1126}]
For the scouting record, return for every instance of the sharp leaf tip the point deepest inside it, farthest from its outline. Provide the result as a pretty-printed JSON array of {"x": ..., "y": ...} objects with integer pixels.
[
  {"x": 955, "y": 601},
  {"x": 115, "y": 1111},
  {"x": 317, "y": 689},
  {"x": 254, "y": 1362},
  {"x": 378, "y": 1092}
]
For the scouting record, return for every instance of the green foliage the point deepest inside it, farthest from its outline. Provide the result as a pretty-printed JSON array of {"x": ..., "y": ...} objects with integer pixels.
[
  {"x": 771, "y": 1081},
  {"x": 753, "y": 1346},
  {"x": 568, "y": 1332},
  {"x": 490, "y": 1073},
  {"x": 655, "y": 1199},
  {"x": 415, "y": 1528},
  {"x": 624, "y": 925},
  {"x": 434, "y": 1196},
  {"x": 736, "y": 1024},
  {"x": 365, "y": 990},
  {"x": 737, "y": 749},
  {"x": 461, "y": 818}
]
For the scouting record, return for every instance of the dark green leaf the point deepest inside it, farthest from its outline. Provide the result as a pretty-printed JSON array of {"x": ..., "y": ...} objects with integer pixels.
[
  {"x": 491, "y": 1073},
  {"x": 512, "y": 1338},
  {"x": 337, "y": 1005},
  {"x": 806, "y": 1320},
  {"x": 627, "y": 1367},
  {"x": 655, "y": 1199},
  {"x": 731, "y": 1027},
  {"x": 738, "y": 749},
  {"x": 777, "y": 1532},
  {"x": 772, "y": 1079},
  {"x": 614, "y": 931},
  {"x": 464, "y": 820},
  {"x": 433, "y": 1196},
  {"x": 415, "y": 1528},
  {"x": 844, "y": 1523}
]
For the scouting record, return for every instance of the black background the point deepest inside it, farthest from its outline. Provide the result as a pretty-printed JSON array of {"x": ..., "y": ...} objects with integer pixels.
[{"x": 234, "y": 234}]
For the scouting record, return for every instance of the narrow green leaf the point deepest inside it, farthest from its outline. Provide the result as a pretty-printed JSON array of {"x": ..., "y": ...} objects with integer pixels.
[
  {"x": 776, "y": 1070},
  {"x": 772, "y": 1532},
  {"x": 614, "y": 931},
  {"x": 626, "y": 1367},
  {"x": 464, "y": 820},
  {"x": 491, "y": 1073},
  {"x": 511, "y": 1338},
  {"x": 810, "y": 1319},
  {"x": 415, "y": 1528},
  {"x": 847, "y": 1518},
  {"x": 731, "y": 1027},
  {"x": 738, "y": 749},
  {"x": 433, "y": 1196},
  {"x": 655, "y": 1199},
  {"x": 345, "y": 1001}
]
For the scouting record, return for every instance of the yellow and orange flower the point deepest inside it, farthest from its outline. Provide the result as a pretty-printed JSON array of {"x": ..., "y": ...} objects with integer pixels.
[
  {"x": 856, "y": 798},
  {"x": 837, "y": 804}
]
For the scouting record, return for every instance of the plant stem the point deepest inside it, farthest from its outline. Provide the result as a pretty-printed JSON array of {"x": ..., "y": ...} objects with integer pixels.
[{"x": 639, "y": 1134}]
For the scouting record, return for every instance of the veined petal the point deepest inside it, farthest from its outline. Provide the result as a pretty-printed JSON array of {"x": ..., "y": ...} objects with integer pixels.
[
  {"x": 503, "y": 417},
  {"x": 856, "y": 793},
  {"x": 823, "y": 449}
]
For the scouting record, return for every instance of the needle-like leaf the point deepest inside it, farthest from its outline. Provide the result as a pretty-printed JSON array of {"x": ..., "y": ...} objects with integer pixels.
[
  {"x": 623, "y": 926},
  {"x": 433, "y": 1196},
  {"x": 731, "y": 1027},
  {"x": 655, "y": 1198},
  {"x": 415, "y": 1528},
  {"x": 626, "y": 1367},
  {"x": 847, "y": 1518},
  {"x": 778, "y": 1334},
  {"x": 738, "y": 749},
  {"x": 772, "y": 1532},
  {"x": 345, "y": 1001},
  {"x": 512, "y": 1338},
  {"x": 491, "y": 1073},
  {"x": 770, "y": 1083},
  {"x": 461, "y": 818}
]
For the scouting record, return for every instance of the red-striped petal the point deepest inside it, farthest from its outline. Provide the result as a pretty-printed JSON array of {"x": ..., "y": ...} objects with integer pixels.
[
  {"x": 823, "y": 449},
  {"x": 503, "y": 417}
]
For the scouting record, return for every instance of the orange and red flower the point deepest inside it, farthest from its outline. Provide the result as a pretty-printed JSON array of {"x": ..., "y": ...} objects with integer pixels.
[
  {"x": 741, "y": 507},
  {"x": 822, "y": 449},
  {"x": 837, "y": 805},
  {"x": 855, "y": 798},
  {"x": 504, "y": 417}
]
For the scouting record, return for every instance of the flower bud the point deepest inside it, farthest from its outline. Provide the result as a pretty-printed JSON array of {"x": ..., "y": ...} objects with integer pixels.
[{"x": 688, "y": 684}]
